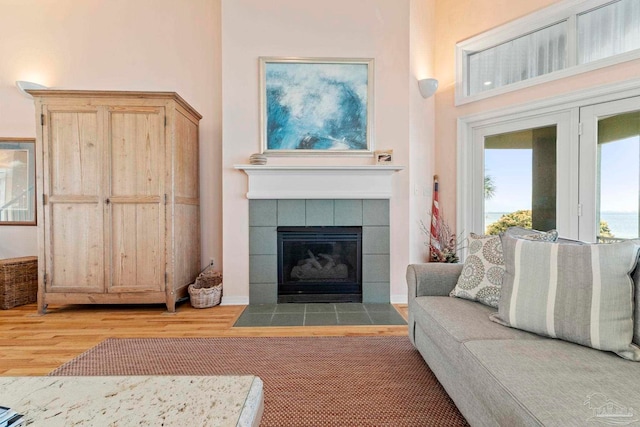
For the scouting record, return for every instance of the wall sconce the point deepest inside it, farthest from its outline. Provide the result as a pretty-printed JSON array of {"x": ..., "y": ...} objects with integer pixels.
[
  {"x": 427, "y": 87},
  {"x": 23, "y": 85}
]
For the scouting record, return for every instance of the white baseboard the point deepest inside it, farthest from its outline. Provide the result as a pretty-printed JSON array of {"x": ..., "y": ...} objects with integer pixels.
[
  {"x": 234, "y": 300},
  {"x": 399, "y": 299}
]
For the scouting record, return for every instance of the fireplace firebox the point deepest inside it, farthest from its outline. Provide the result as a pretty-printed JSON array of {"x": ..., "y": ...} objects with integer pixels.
[{"x": 319, "y": 264}]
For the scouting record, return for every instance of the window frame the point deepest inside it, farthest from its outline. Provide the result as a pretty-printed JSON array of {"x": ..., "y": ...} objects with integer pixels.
[
  {"x": 472, "y": 193},
  {"x": 567, "y": 10},
  {"x": 470, "y": 163},
  {"x": 590, "y": 116}
]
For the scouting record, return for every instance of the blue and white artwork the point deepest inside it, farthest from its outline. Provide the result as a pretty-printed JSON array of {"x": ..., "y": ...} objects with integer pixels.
[{"x": 316, "y": 106}]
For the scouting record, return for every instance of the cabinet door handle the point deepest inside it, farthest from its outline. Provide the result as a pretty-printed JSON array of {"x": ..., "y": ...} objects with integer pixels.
[{"x": 107, "y": 201}]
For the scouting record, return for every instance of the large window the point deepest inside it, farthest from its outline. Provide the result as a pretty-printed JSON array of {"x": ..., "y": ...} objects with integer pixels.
[
  {"x": 564, "y": 39},
  {"x": 518, "y": 167},
  {"x": 572, "y": 166}
]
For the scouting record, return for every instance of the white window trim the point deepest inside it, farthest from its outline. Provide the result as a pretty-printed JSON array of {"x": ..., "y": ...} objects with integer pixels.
[
  {"x": 565, "y": 10},
  {"x": 470, "y": 168},
  {"x": 566, "y": 152}
]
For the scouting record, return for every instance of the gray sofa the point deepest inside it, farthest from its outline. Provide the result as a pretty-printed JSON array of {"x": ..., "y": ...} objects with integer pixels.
[{"x": 500, "y": 376}]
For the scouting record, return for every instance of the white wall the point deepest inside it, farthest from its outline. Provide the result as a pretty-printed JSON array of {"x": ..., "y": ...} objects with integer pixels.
[
  {"x": 155, "y": 45},
  {"x": 376, "y": 29},
  {"x": 422, "y": 125}
]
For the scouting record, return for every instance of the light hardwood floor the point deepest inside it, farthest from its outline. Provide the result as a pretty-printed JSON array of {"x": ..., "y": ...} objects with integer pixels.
[{"x": 31, "y": 344}]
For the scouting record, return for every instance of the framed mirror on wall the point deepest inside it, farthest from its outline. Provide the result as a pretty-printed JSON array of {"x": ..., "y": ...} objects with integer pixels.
[{"x": 17, "y": 181}]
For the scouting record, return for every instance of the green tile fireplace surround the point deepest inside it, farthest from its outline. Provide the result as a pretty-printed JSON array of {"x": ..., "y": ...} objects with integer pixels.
[{"x": 370, "y": 214}]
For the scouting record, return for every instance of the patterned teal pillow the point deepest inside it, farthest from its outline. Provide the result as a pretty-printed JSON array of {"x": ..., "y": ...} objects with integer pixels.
[
  {"x": 529, "y": 234},
  {"x": 481, "y": 276},
  {"x": 549, "y": 236},
  {"x": 482, "y": 273}
]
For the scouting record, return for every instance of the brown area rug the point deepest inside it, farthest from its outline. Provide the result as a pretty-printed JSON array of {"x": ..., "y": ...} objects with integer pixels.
[{"x": 311, "y": 381}]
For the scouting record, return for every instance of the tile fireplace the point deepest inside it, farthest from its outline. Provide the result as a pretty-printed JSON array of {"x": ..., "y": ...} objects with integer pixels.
[
  {"x": 369, "y": 217},
  {"x": 319, "y": 199}
]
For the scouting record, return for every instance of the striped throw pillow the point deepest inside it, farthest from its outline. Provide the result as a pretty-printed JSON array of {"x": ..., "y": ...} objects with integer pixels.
[{"x": 577, "y": 293}]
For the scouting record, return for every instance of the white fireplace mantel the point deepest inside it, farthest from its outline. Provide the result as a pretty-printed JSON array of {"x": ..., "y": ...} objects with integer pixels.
[{"x": 320, "y": 182}]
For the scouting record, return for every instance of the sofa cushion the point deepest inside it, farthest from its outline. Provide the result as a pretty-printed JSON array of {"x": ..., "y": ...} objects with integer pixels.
[
  {"x": 471, "y": 401},
  {"x": 483, "y": 269},
  {"x": 451, "y": 321},
  {"x": 579, "y": 293},
  {"x": 558, "y": 383}
]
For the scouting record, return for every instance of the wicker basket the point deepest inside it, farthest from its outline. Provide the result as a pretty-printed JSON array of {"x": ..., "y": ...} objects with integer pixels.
[
  {"x": 207, "y": 290},
  {"x": 18, "y": 281}
]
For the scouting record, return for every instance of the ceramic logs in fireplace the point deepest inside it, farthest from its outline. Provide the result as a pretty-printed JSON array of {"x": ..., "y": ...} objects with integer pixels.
[{"x": 319, "y": 264}]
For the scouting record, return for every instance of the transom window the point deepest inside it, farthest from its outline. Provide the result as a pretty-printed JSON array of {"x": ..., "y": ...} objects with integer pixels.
[
  {"x": 568, "y": 38},
  {"x": 535, "y": 54}
]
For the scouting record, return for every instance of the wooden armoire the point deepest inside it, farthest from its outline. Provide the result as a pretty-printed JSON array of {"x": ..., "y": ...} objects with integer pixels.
[{"x": 118, "y": 197}]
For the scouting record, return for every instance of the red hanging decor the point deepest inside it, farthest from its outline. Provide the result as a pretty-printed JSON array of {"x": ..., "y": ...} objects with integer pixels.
[
  {"x": 435, "y": 251},
  {"x": 443, "y": 243}
]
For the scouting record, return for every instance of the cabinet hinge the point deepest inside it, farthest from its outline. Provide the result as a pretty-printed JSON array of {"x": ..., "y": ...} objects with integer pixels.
[
  {"x": 165, "y": 121},
  {"x": 42, "y": 119},
  {"x": 44, "y": 199},
  {"x": 579, "y": 209},
  {"x": 165, "y": 199},
  {"x": 580, "y": 128},
  {"x": 44, "y": 278},
  {"x": 165, "y": 277}
]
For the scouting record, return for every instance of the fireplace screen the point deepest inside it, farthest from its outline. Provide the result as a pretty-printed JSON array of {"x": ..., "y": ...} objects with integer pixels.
[{"x": 319, "y": 264}]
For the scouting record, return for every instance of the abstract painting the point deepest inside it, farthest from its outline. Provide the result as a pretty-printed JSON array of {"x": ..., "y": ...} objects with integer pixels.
[{"x": 316, "y": 106}]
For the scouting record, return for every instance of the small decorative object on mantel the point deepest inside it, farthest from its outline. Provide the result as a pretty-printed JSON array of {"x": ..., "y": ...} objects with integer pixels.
[
  {"x": 258, "y": 159},
  {"x": 443, "y": 243},
  {"x": 207, "y": 290},
  {"x": 383, "y": 157}
]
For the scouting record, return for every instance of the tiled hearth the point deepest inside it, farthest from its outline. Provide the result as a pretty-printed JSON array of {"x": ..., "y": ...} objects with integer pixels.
[
  {"x": 319, "y": 314},
  {"x": 266, "y": 215}
]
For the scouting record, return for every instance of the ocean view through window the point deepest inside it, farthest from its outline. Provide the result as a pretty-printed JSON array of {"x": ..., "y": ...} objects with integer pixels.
[
  {"x": 520, "y": 179},
  {"x": 618, "y": 175}
]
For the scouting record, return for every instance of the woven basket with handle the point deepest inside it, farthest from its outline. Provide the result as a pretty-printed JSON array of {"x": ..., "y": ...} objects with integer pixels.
[{"x": 207, "y": 290}]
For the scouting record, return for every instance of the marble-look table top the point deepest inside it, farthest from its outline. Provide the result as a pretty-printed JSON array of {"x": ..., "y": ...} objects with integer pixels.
[{"x": 135, "y": 400}]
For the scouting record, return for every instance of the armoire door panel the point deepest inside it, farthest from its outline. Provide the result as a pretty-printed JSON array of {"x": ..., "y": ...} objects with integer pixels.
[
  {"x": 137, "y": 248},
  {"x": 74, "y": 154},
  {"x": 73, "y": 215},
  {"x": 137, "y": 210},
  {"x": 137, "y": 153},
  {"x": 76, "y": 248}
]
